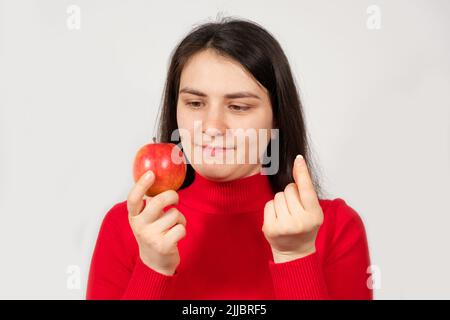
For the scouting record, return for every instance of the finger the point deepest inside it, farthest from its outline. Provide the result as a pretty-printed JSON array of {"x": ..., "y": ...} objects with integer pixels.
[
  {"x": 155, "y": 206},
  {"x": 135, "y": 201},
  {"x": 170, "y": 218},
  {"x": 308, "y": 197},
  {"x": 146, "y": 202},
  {"x": 175, "y": 234},
  {"x": 281, "y": 209},
  {"x": 293, "y": 199},
  {"x": 269, "y": 218}
]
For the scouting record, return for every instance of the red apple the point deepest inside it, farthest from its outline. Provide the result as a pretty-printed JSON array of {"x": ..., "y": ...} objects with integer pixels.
[{"x": 167, "y": 162}]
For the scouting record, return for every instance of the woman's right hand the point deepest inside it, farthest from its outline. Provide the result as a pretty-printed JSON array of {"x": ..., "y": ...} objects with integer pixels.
[{"x": 157, "y": 232}]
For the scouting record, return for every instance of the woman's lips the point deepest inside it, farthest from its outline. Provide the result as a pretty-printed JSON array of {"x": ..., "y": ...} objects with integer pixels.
[{"x": 213, "y": 149}]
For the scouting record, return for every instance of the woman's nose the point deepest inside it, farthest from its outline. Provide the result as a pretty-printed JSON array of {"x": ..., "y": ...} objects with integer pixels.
[
  {"x": 213, "y": 131},
  {"x": 214, "y": 123}
]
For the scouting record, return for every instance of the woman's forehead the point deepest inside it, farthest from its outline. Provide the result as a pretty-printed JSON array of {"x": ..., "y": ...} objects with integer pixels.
[{"x": 213, "y": 74}]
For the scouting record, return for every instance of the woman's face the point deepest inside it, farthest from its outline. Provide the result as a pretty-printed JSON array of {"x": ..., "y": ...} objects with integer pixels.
[{"x": 224, "y": 117}]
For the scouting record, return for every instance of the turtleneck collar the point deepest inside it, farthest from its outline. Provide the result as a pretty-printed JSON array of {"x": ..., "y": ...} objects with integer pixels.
[{"x": 243, "y": 195}]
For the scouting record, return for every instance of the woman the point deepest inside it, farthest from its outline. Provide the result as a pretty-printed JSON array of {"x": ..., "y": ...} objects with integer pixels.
[{"x": 237, "y": 229}]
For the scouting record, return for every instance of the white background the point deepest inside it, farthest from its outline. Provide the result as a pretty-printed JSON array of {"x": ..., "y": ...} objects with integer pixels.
[{"x": 76, "y": 105}]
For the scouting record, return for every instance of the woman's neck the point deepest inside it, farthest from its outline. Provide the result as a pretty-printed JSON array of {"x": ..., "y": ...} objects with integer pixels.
[{"x": 246, "y": 194}]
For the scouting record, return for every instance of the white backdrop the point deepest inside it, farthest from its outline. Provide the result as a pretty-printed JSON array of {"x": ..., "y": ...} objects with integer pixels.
[{"x": 81, "y": 83}]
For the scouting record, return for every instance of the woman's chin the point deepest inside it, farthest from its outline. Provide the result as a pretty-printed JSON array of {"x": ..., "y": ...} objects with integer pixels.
[
  {"x": 224, "y": 172},
  {"x": 218, "y": 172}
]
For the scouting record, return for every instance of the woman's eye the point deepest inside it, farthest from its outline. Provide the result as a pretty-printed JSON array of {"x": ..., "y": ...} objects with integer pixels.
[
  {"x": 238, "y": 108},
  {"x": 194, "y": 104}
]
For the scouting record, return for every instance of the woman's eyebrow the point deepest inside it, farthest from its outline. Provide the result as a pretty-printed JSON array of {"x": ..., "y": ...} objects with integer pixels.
[
  {"x": 235, "y": 95},
  {"x": 242, "y": 94},
  {"x": 193, "y": 91}
]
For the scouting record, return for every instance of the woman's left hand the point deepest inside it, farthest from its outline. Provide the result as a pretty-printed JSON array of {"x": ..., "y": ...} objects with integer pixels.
[{"x": 293, "y": 218}]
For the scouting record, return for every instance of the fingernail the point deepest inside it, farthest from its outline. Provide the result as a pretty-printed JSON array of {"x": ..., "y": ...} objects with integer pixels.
[
  {"x": 299, "y": 157},
  {"x": 148, "y": 175}
]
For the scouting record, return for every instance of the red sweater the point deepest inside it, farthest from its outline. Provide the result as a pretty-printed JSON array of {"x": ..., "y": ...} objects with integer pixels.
[{"x": 225, "y": 255}]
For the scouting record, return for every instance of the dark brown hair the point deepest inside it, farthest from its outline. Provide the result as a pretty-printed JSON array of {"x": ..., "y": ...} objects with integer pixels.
[{"x": 260, "y": 53}]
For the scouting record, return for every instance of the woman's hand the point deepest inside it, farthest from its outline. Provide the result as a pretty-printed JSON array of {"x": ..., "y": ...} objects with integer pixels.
[
  {"x": 157, "y": 232},
  {"x": 293, "y": 218}
]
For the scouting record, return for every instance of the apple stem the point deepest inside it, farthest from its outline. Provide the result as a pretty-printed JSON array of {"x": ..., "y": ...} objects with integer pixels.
[{"x": 154, "y": 139}]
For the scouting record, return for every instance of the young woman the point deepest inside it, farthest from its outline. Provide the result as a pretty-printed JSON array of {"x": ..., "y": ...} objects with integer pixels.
[{"x": 237, "y": 229}]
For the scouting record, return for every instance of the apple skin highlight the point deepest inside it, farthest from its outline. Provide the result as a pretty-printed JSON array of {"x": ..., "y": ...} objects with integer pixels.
[{"x": 170, "y": 171}]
